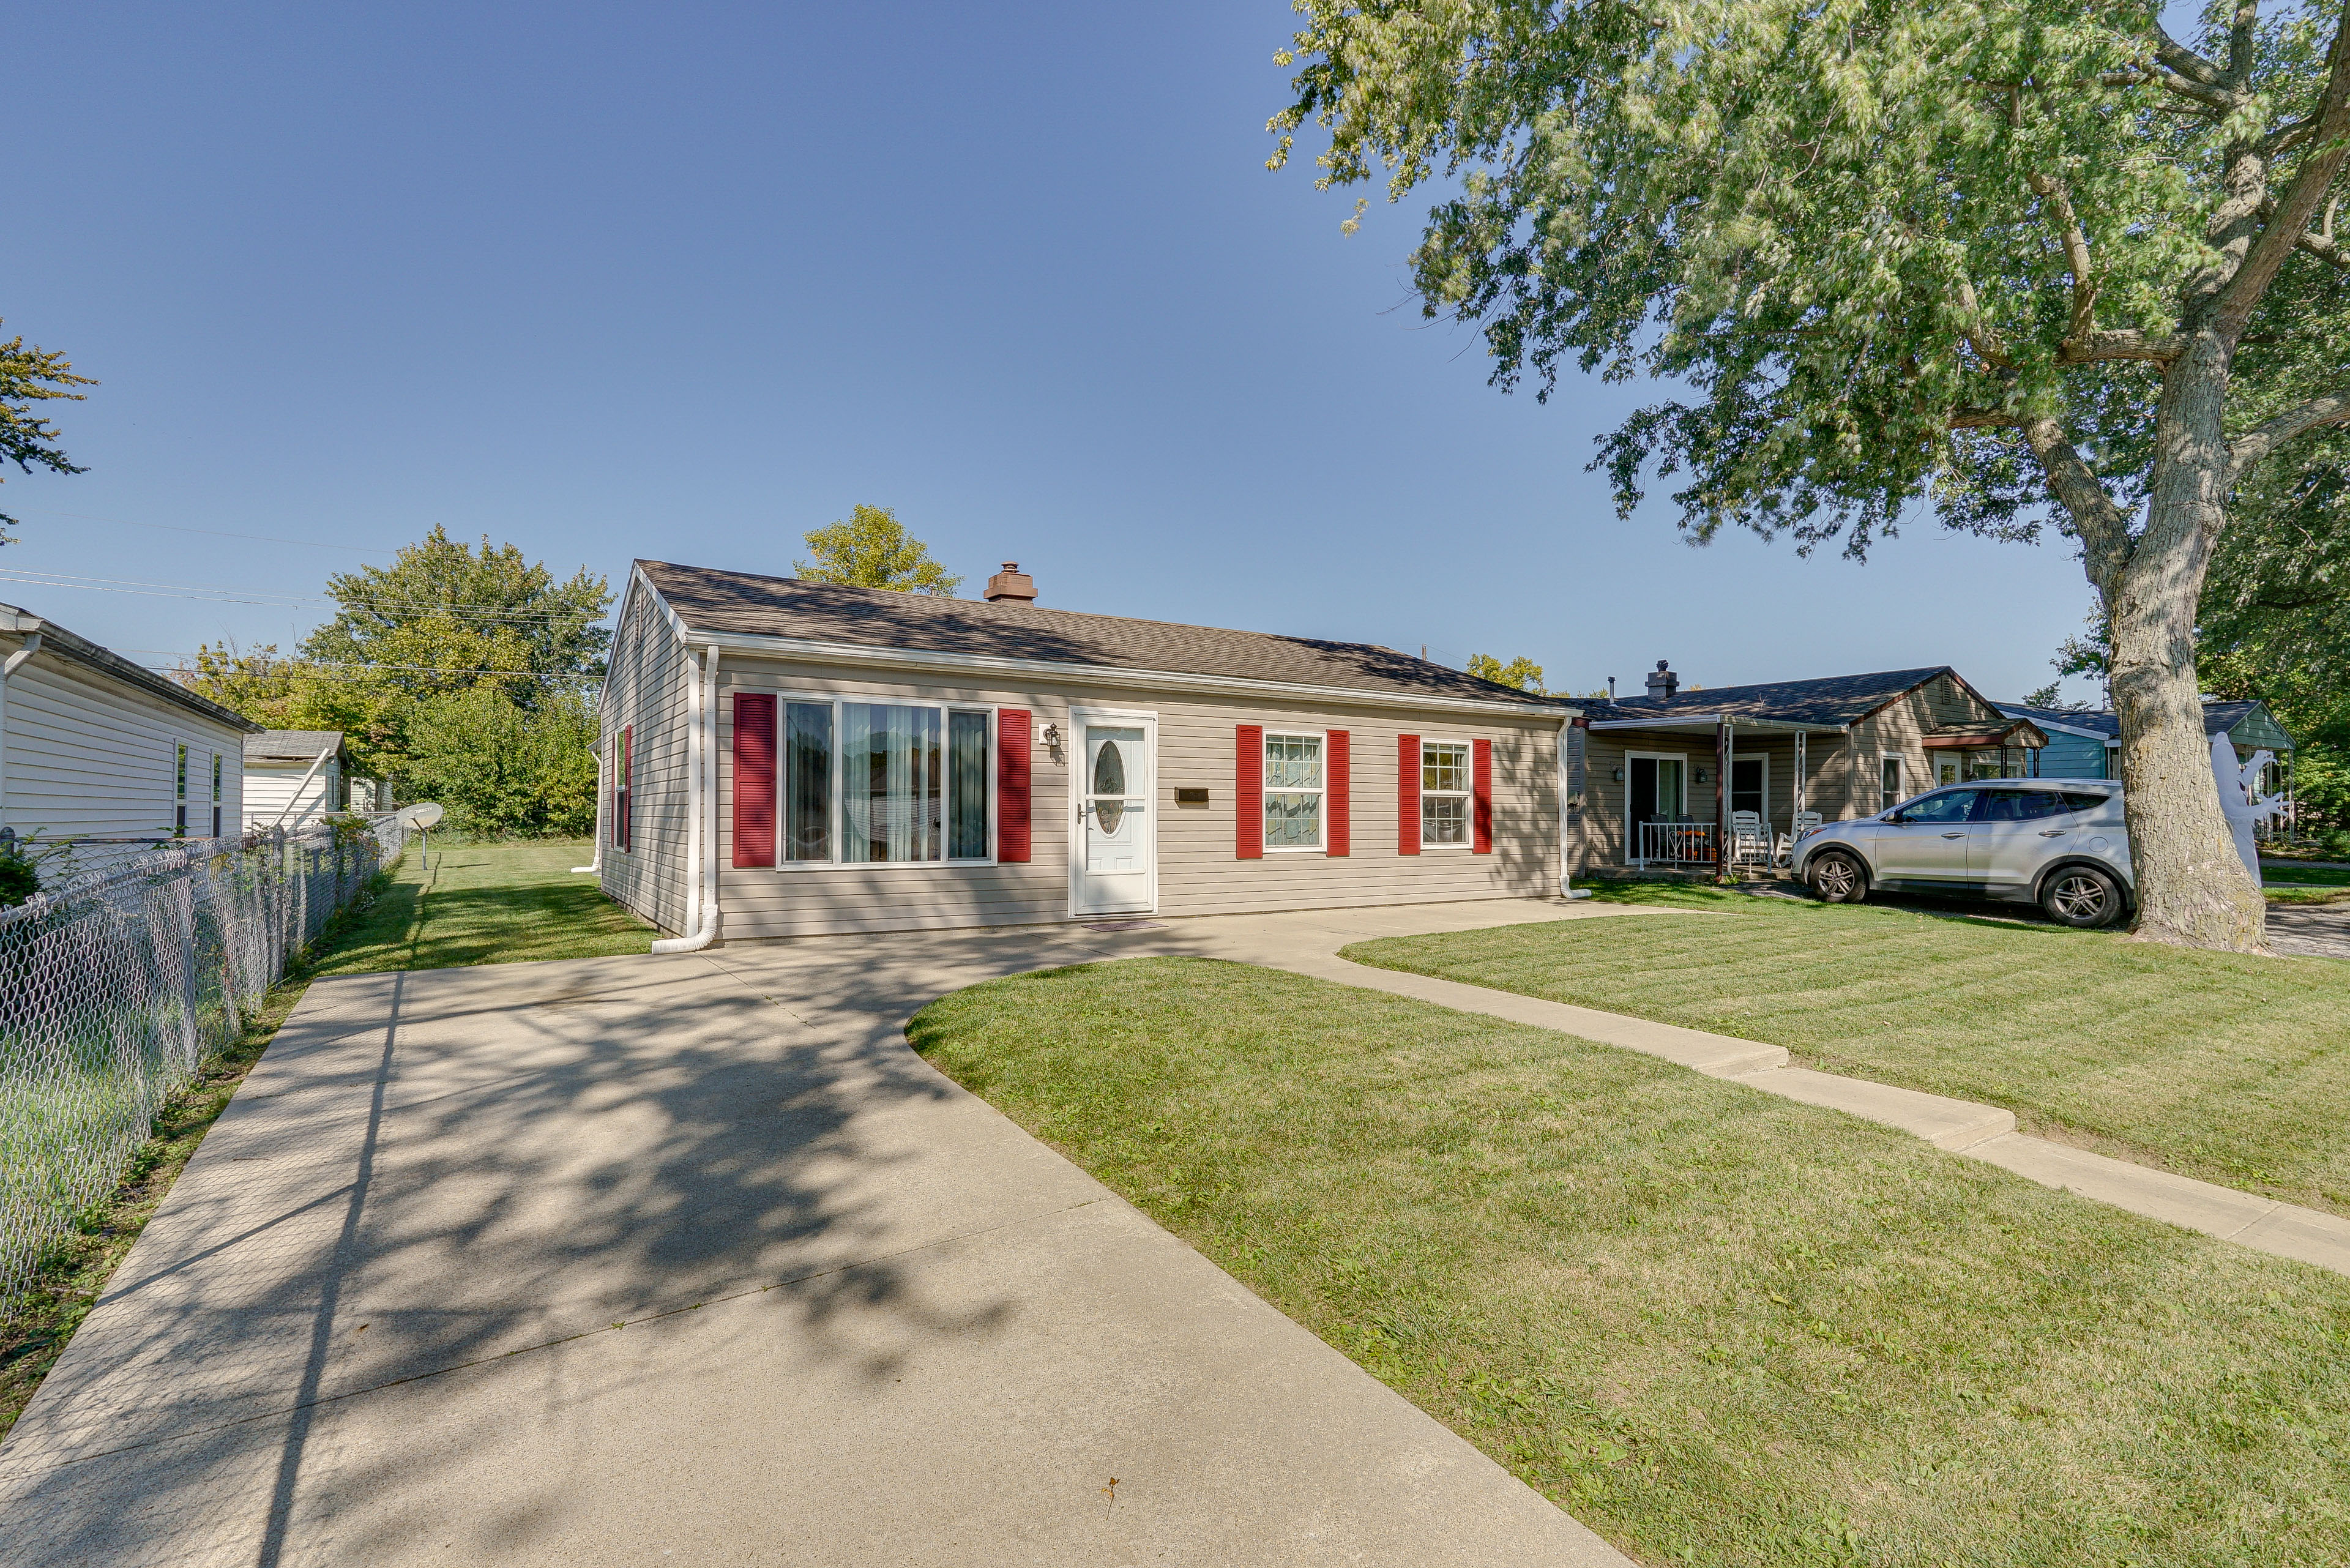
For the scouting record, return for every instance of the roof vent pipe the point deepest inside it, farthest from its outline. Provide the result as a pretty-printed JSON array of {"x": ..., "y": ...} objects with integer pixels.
[
  {"x": 1663, "y": 682},
  {"x": 1011, "y": 586}
]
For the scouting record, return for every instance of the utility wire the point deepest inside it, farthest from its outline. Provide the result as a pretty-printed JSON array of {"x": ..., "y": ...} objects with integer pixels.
[
  {"x": 215, "y": 533},
  {"x": 274, "y": 599}
]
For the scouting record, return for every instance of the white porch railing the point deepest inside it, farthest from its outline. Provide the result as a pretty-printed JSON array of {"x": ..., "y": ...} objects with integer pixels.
[{"x": 1674, "y": 843}]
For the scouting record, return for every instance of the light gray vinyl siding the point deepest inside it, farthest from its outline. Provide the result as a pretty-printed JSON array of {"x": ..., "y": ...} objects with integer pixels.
[
  {"x": 1199, "y": 868},
  {"x": 92, "y": 756},
  {"x": 646, "y": 689},
  {"x": 269, "y": 791}
]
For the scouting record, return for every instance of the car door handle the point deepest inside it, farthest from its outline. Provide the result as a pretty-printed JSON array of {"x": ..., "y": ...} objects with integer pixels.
[
  {"x": 1958, "y": 835},
  {"x": 2051, "y": 833}
]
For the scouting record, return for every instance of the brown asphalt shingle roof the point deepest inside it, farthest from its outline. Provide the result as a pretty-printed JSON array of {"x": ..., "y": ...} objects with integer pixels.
[
  {"x": 709, "y": 600},
  {"x": 1830, "y": 700}
]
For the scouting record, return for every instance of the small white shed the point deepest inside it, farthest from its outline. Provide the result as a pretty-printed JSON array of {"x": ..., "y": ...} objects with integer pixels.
[
  {"x": 293, "y": 777},
  {"x": 94, "y": 747}
]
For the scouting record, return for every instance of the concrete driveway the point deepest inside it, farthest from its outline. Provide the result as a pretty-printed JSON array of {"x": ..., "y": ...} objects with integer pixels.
[{"x": 690, "y": 1260}]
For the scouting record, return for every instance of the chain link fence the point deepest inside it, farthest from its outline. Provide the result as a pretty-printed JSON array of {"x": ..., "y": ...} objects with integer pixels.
[{"x": 115, "y": 984}]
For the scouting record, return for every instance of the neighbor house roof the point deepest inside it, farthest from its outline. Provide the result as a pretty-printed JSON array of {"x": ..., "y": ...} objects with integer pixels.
[
  {"x": 2219, "y": 719},
  {"x": 1828, "y": 701},
  {"x": 707, "y": 599},
  {"x": 291, "y": 746},
  {"x": 56, "y": 640}
]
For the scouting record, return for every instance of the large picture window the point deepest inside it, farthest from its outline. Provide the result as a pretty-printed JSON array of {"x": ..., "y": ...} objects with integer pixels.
[
  {"x": 1292, "y": 792},
  {"x": 1443, "y": 792},
  {"x": 885, "y": 783}
]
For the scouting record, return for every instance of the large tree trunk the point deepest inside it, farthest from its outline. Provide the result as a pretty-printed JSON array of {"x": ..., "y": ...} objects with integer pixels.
[{"x": 2193, "y": 888}]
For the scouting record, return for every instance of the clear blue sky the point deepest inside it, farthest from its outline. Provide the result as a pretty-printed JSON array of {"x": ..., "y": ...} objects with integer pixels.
[{"x": 685, "y": 281}]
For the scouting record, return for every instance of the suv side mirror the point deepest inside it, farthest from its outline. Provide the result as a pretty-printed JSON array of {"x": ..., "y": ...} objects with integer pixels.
[{"x": 1897, "y": 818}]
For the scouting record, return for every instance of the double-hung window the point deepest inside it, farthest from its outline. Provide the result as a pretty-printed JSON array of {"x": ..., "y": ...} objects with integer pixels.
[
  {"x": 180, "y": 797},
  {"x": 886, "y": 784},
  {"x": 216, "y": 794},
  {"x": 1890, "y": 788},
  {"x": 1443, "y": 792},
  {"x": 1292, "y": 792}
]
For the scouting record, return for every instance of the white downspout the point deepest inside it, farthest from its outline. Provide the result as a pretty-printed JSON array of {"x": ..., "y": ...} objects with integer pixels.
[
  {"x": 316, "y": 763},
  {"x": 596, "y": 859},
  {"x": 15, "y": 661},
  {"x": 702, "y": 803}
]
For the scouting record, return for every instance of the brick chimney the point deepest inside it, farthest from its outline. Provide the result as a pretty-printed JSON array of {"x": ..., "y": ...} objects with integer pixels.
[
  {"x": 1663, "y": 682},
  {"x": 1011, "y": 586}
]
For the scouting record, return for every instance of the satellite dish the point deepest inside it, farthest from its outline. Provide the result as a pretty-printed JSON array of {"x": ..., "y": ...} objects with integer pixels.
[{"x": 423, "y": 814}]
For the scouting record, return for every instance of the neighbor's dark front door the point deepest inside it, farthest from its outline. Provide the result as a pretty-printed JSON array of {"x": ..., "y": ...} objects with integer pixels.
[
  {"x": 1641, "y": 803},
  {"x": 1746, "y": 786}
]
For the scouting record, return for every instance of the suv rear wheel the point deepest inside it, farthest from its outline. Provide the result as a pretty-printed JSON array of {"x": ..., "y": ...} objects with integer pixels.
[
  {"x": 2081, "y": 897},
  {"x": 1837, "y": 878}
]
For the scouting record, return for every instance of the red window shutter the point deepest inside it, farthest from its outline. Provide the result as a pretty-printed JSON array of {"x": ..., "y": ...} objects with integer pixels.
[
  {"x": 1337, "y": 794},
  {"x": 1248, "y": 790},
  {"x": 755, "y": 778},
  {"x": 1012, "y": 830},
  {"x": 1408, "y": 795},
  {"x": 1481, "y": 798}
]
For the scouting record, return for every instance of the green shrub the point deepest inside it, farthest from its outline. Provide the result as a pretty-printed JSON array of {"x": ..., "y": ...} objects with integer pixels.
[{"x": 18, "y": 879}]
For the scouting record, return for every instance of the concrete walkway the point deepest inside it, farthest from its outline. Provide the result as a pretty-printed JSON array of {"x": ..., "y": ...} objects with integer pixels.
[{"x": 690, "y": 1260}]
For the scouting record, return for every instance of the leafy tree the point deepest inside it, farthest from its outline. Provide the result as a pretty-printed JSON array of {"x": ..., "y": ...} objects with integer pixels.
[
  {"x": 2042, "y": 265},
  {"x": 504, "y": 771},
  {"x": 1521, "y": 672},
  {"x": 29, "y": 376},
  {"x": 2276, "y": 617},
  {"x": 444, "y": 616},
  {"x": 873, "y": 550},
  {"x": 461, "y": 674}
]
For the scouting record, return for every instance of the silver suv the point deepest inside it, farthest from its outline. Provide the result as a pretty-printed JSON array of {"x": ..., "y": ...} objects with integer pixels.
[{"x": 2056, "y": 842}]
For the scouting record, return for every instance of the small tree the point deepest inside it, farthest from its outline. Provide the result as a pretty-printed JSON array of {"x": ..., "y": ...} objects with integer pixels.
[
  {"x": 2034, "y": 260},
  {"x": 29, "y": 376},
  {"x": 873, "y": 550},
  {"x": 1521, "y": 672}
]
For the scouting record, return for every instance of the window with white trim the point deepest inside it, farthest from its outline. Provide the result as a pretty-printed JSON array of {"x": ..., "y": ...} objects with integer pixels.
[
  {"x": 1292, "y": 792},
  {"x": 216, "y": 794},
  {"x": 180, "y": 797},
  {"x": 1443, "y": 792},
  {"x": 885, "y": 783}
]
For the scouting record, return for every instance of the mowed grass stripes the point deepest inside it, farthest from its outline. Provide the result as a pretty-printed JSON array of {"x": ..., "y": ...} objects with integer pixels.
[{"x": 2232, "y": 1068}]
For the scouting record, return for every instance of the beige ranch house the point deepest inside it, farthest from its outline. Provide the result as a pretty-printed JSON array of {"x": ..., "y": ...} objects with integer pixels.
[{"x": 784, "y": 758}]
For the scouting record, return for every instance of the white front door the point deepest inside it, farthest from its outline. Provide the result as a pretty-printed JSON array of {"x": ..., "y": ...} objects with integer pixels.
[{"x": 1117, "y": 830}]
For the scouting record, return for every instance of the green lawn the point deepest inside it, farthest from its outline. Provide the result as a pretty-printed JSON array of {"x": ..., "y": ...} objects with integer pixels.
[
  {"x": 488, "y": 903},
  {"x": 2305, "y": 884},
  {"x": 2232, "y": 1068},
  {"x": 1717, "y": 1326}
]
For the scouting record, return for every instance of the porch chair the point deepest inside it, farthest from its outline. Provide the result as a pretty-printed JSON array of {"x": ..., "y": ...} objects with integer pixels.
[
  {"x": 1748, "y": 840},
  {"x": 1783, "y": 852}
]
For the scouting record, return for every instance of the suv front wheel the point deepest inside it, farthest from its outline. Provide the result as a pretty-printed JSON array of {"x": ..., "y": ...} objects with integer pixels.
[
  {"x": 1837, "y": 878},
  {"x": 2081, "y": 897}
]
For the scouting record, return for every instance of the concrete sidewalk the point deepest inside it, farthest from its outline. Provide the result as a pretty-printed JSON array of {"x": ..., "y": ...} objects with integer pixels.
[{"x": 649, "y": 1260}]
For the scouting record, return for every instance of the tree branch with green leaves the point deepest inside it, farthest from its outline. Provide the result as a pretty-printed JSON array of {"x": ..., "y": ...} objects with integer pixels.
[
  {"x": 2040, "y": 271},
  {"x": 29, "y": 376}
]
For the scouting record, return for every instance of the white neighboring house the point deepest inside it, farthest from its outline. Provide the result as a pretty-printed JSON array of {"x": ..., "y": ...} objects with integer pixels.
[
  {"x": 293, "y": 777},
  {"x": 93, "y": 746}
]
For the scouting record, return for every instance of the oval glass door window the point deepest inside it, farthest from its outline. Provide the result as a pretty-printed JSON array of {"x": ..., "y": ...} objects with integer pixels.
[{"x": 1109, "y": 780}]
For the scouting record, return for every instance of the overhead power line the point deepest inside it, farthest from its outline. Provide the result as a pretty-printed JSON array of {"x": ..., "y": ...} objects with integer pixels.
[
  {"x": 269, "y": 599},
  {"x": 215, "y": 533}
]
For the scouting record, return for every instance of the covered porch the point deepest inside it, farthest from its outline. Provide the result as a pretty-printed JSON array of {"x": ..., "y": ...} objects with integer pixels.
[{"x": 1716, "y": 791}]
